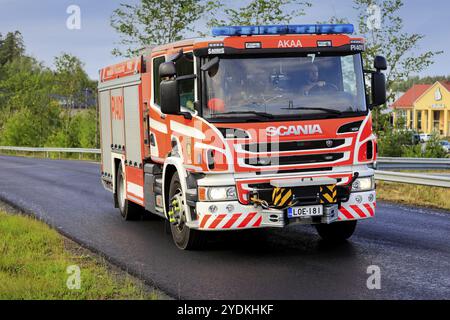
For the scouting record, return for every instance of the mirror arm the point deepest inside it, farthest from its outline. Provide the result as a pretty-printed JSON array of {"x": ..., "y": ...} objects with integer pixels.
[
  {"x": 186, "y": 115},
  {"x": 186, "y": 77},
  {"x": 370, "y": 71}
]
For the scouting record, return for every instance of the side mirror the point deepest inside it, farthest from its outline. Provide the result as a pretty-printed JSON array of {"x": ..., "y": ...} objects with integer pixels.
[
  {"x": 380, "y": 63},
  {"x": 167, "y": 70},
  {"x": 170, "y": 97},
  {"x": 378, "y": 89}
]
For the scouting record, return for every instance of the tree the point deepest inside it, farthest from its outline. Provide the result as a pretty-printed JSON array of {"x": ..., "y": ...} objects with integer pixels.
[
  {"x": 405, "y": 85},
  {"x": 71, "y": 83},
  {"x": 11, "y": 47},
  {"x": 261, "y": 12},
  {"x": 381, "y": 25},
  {"x": 27, "y": 84},
  {"x": 153, "y": 22}
]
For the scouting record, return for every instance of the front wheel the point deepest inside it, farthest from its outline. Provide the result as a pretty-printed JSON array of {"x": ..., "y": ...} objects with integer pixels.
[
  {"x": 338, "y": 231},
  {"x": 184, "y": 237}
]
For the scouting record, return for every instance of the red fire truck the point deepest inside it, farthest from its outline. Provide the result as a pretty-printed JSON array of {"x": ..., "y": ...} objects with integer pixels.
[{"x": 254, "y": 127}]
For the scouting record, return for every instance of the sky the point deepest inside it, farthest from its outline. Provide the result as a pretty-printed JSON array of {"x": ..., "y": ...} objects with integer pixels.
[{"x": 43, "y": 26}]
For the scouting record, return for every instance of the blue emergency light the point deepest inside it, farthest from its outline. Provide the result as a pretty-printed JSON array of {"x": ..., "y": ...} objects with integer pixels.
[{"x": 283, "y": 29}]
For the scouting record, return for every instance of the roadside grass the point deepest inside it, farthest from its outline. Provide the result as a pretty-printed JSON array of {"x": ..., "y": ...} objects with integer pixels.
[
  {"x": 426, "y": 196},
  {"x": 33, "y": 266}
]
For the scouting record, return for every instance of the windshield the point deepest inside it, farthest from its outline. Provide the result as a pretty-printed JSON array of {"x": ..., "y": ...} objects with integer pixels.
[{"x": 285, "y": 87}]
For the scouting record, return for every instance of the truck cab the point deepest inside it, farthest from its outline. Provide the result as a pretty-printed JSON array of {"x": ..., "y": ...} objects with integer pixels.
[{"x": 255, "y": 127}]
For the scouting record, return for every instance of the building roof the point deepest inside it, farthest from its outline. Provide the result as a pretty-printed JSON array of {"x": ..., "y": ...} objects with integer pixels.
[
  {"x": 409, "y": 97},
  {"x": 407, "y": 100},
  {"x": 446, "y": 85}
]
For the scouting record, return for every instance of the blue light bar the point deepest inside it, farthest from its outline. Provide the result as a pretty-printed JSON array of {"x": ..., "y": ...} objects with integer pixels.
[{"x": 283, "y": 29}]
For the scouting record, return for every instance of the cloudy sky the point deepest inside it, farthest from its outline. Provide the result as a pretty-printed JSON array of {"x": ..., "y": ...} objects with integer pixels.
[{"x": 43, "y": 25}]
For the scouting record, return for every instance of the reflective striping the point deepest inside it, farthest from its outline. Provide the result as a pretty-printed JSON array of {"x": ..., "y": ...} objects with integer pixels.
[
  {"x": 247, "y": 220},
  {"x": 355, "y": 212},
  {"x": 358, "y": 211},
  {"x": 347, "y": 214},
  {"x": 217, "y": 221},
  {"x": 204, "y": 220},
  {"x": 135, "y": 189},
  {"x": 186, "y": 130},
  {"x": 369, "y": 209},
  {"x": 158, "y": 126},
  {"x": 258, "y": 222},
  {"x": 138, "y": 201},
  {"x": 232, "y": 220}
]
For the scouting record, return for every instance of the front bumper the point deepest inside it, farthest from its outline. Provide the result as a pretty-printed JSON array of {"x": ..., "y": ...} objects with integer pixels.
[{"x": 232, "y": 215}]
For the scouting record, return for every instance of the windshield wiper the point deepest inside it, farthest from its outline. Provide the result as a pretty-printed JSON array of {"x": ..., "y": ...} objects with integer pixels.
[
  {"x": 315, "y": 108},
  {"x": 261, "y": 114}
]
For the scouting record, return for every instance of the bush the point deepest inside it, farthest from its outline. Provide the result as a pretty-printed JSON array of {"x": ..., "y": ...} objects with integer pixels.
[
  {"x": 393, "y": 143},
  {"x": 20, "y": 130}
]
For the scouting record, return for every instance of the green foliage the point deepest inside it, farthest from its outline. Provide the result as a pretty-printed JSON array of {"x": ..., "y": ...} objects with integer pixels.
[
  {"x": 391, "y": 143},
  {"x": 153, "y": 22},
  {"x": 11, "y": 47},
  {"x": 433, "y": 149},
  {"x": 20, "y": 130},
  {"x": 260, "y": 12},
  {"x": 399, "y": 143},
  {"x": 400, "y": 48},
  {"x": 79, "y": 132},
  {"x": 37, "y": 104},
  {"x": 403, "y": 86}
]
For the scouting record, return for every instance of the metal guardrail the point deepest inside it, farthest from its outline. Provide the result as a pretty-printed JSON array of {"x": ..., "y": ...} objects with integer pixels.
[
  {"x": 412, "y": 163},
  {"x": 401, "y": 177},
  {"x": 413, "y": 178}
]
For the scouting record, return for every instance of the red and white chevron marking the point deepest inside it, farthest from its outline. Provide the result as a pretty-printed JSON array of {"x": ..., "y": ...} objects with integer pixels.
[
  {"x": 357, "y": 211},
  {"x": 230, "y": 221}
]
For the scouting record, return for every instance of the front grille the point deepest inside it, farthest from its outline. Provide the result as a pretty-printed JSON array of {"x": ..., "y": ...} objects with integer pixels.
[
  {"x": 293, "y": 145},
  {"x": 292, "y": 160},
  {"x": 308, "y": 195},
  {"x": 296, "y": 170}
]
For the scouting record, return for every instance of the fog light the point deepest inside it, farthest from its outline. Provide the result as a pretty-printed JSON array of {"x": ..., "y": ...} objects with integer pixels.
[
  {"x": 230, "y": 208},
  {"x": 358, "y": 199},
  {"x": 371, "y": 197},
  {"x": 213, "y": 208}
]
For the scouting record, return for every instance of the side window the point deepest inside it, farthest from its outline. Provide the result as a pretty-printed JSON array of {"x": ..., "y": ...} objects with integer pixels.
[
  {"x": 156, "y": 79},
  {"x": 185, "y": 66},
  {"x": 349, "y": 74}
]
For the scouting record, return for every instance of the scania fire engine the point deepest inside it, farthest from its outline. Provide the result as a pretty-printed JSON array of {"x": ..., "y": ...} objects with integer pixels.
[{"x": 254, "y": 127}]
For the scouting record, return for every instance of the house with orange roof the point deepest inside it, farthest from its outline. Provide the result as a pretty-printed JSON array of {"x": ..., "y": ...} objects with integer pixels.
[{"x": 425, "y": 108}]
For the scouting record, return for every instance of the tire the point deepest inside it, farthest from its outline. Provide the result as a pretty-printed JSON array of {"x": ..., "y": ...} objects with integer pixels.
[
  {"x": 128, "y": 210},
  {"x": 336, "y": 232},
  {"x": 184, "y": 237}
]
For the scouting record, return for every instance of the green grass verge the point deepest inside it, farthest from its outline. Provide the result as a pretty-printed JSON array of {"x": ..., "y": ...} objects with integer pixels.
[
  {"x": 433, "y": 197},
  {"x": 33, "y": 265}
]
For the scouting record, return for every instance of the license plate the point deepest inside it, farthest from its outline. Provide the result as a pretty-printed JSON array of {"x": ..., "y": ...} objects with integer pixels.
[{"x": 306, "y": 211}]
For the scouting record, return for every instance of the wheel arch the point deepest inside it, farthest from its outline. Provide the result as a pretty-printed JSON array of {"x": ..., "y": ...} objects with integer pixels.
[{"x": 174, "y": 165}]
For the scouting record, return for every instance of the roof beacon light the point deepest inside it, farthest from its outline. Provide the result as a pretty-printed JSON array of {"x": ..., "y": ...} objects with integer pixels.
[{"x": 283, "y": 29}]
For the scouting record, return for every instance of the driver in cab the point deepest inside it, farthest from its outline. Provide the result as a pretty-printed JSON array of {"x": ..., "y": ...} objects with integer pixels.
[{"x": 312, "y": 79}]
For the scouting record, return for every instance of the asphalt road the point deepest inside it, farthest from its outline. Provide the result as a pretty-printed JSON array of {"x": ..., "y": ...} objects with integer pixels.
[{"x": 411, "y": 246}]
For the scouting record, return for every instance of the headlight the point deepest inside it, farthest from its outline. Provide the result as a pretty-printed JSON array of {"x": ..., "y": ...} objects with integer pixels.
[
  {"x": 217, "y": 193},
  {"x": 363, "y": 184}
]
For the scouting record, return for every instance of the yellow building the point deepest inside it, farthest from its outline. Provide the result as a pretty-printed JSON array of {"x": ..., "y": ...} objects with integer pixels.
[{"x": 425, "y": 108}]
